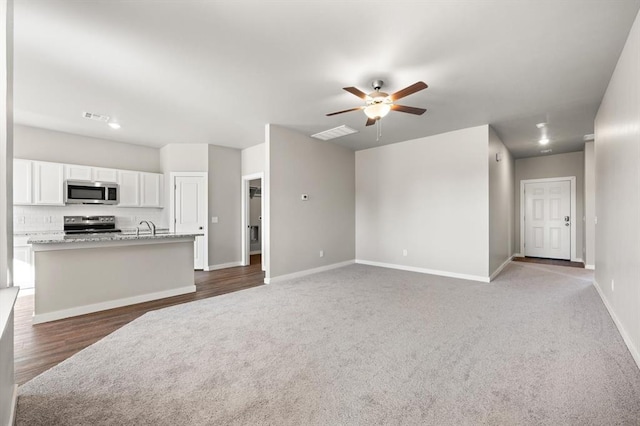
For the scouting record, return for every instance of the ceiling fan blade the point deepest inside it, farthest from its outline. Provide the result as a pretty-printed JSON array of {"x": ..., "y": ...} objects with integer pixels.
[
  {"x": 346, "y": 110},
  {"x": 410, "y": 110},
  {"x": 415, "y": 87},
  {"x": 371, "y": 121},
  {"x": 356, "y": 92}
]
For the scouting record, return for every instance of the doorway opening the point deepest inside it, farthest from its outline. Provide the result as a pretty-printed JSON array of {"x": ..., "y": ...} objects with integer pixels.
[
  {"x": 548, "y": 218},
  {"x": 252, "y": 214}
]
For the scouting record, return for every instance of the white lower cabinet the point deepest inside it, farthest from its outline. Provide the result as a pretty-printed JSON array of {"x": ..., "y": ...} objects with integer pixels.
[{"x": 22, "y": 263}]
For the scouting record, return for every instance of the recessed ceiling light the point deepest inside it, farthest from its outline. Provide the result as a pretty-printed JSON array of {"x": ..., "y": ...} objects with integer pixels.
[
  {"x": 543, "y": 141},
  {"x": 541, "y": 125},
  {"x": 114, "y": 126}
]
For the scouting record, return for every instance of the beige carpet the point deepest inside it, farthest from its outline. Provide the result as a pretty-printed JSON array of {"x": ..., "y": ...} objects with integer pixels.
[{"x": 359, "y": 345}]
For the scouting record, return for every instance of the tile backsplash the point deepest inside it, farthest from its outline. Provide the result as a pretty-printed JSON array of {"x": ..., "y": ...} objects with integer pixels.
[{"x": 49, "y": 218}]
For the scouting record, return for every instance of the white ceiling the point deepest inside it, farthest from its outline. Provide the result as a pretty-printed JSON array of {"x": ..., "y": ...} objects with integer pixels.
[{"x": 197, "y": 71}]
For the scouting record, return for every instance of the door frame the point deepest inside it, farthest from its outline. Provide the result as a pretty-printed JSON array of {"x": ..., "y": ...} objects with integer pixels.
[
  {"x": 246, "y": 244},
  {"x": 572, "y": 179},
  {"x": 172, "y": 208}
]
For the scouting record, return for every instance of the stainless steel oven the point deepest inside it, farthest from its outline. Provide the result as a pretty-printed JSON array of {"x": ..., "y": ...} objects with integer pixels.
[{"x": 87, "y": 192}]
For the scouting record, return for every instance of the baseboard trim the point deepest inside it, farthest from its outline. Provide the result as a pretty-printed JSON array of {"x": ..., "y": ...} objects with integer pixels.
[
  {"x": 118, "y": 303},
  {"x": 306, "y": 272},
  {"x": 255, "y": 252},
  {"x": 578, "y": 259},
  {"x": 591, "y": 267},
  {"x": 222, "y": 266},
  {"x": 14, "y": 406},
  {"x": 625, "y": 336},
  {"x": 425, "y": 271},
  {"x": 517, "y": 255},
  {"x": 500, "y": 268}
]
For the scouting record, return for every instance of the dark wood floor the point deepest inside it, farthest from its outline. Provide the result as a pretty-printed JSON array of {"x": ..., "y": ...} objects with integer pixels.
[
  {"x": 40, "y": 347},
  {"x": 544, "y": 261}
]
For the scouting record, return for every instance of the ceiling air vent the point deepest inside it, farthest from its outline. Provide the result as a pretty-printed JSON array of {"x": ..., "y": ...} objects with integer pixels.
[
  {"x": 96, "y": 117},
  {"x": 336, "y": 132}
]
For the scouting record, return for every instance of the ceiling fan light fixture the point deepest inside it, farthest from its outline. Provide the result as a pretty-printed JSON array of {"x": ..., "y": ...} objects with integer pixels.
[
  {"x": 377, "y": 110},
  {"x": 543, "y": 141}
]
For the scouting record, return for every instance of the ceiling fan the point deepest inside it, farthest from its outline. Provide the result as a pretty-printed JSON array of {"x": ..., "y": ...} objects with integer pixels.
[{"x": 378, "y": 104}]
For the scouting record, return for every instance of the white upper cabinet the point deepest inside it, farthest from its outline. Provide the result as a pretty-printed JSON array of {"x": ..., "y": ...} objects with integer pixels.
[
  {"x": 75, "y": 172},
  {"x": 42, "y": 183},
  {"x": 151, "y": 190},
  {"x": 22, "y": 182},
  {"x": 48, "y": 181},
  {"x": 104, "y": 175},
  {"x": 129, "y": 183}
]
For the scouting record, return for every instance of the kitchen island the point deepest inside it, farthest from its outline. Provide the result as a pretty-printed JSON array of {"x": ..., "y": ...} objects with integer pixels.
[{"x": 76, "y": 275}]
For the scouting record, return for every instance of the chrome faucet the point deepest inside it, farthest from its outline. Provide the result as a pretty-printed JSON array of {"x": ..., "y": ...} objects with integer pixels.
[{"x": 151, "y": 225}]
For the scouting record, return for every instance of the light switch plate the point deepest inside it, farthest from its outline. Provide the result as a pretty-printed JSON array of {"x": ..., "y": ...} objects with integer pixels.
[{"x": 214, "y": 219}]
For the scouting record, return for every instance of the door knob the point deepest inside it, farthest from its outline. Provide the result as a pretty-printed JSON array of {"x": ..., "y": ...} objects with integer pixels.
[{"x": 566, "y": 218}]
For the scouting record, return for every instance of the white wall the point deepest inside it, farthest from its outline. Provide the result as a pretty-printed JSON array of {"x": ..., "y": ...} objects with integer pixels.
[
  {"x": 33, "y": 143},
  {"x": 429, "y": 196},
  {"x": 225, "y": 187},
  {"x": 549, "y": 166},
  {"x": 589, "y": 204},
  {"x": 253, "y": 159},
  {"x": 298, "y": 230},
  {"x": 501, "y": 203},
  {"x": 617, "y": 152},
  {"x": 7, "y": 382}
]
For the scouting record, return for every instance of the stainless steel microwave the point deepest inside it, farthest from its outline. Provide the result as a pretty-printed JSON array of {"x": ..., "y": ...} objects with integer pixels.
[{"x": 88, "y": 192}]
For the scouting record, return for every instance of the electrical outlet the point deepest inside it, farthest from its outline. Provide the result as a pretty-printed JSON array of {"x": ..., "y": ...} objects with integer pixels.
[
  {"x": 321, "y": 253},
  {"x": 613, "y": 285},
  {"x": 405, "y": 252}
]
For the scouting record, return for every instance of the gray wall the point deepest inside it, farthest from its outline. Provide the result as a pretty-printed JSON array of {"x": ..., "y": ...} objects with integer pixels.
[
  {"x": 589, "y": 205},
  {"x": 617, "y": 149},
  {"x": 298, "y": 230},
  {"x": 32, "y": 143},
  {"x": 501, "y": 203},
  {"x": 224, "y": 202},
  {"x": 429, "y": 196},
  {"x": 559, "y": 165},
  {"x": 6, "y": 233}
]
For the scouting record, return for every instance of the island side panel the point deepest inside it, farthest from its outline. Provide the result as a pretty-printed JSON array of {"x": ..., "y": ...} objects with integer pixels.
[{"x": 74, "y": 281}]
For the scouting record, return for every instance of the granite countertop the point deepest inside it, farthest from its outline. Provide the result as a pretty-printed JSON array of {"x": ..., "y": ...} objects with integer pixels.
[{"x": 56, "y": 238}]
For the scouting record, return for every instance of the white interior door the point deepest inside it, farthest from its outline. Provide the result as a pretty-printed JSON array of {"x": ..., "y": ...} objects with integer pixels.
[
  {"x": 547, "y": 219},
  {"x": 190, "y": 212}
]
